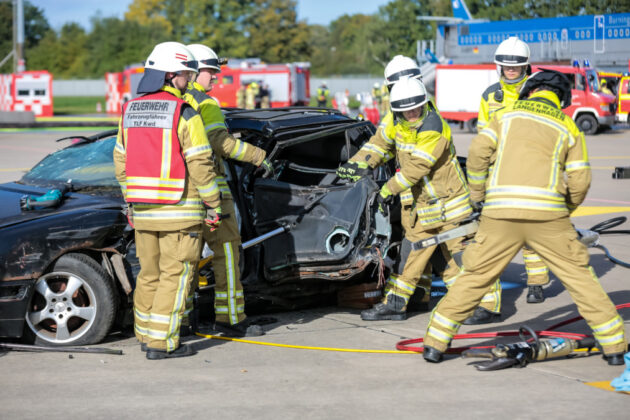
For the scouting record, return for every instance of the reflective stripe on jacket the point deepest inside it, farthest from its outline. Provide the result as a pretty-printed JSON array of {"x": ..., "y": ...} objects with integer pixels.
[
  {"x": 223, "y": 144},
  {"x": 518, "y": 162},
  {"x": 154, "y": 166},
  {"x": 199, "y": 174},
  {"x": 428, "y": 167}
]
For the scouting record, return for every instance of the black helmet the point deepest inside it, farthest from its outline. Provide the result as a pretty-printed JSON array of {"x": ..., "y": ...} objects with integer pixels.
[{"x": 551, "y": 80}]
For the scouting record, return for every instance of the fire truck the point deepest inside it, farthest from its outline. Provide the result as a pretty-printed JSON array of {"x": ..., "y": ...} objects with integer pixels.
[
  {"x": 27, "y": 91},
  {"x": 288, "y": 84},
  {"x": 458, "y": 90}
]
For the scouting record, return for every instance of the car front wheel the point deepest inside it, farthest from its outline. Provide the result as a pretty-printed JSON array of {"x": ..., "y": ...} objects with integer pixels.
[{"x": 74, "y": 304}]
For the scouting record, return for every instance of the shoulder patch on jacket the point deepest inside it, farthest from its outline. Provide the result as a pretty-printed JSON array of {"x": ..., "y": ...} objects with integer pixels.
[
  {"x": 432, "y": 122},
  {"x": 490, "y": 89},
  {"x": 188, "y": 111}
]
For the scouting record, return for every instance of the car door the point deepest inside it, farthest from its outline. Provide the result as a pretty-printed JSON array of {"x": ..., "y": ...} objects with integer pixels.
[{"x": 326, "y": 218}]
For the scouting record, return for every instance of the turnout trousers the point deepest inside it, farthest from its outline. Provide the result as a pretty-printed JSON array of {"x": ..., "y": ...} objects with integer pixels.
[
  {"x": 412, "y": 268},
  {"x": 225, "y": 242},
  {"x": 496, "y": 243},
  {"x": 167, "y": 267},
  {"x": 537, "y": 271}
]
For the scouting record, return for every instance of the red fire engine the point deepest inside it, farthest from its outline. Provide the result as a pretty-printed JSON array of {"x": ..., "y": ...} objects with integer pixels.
[{"x": 288, "y": 84}]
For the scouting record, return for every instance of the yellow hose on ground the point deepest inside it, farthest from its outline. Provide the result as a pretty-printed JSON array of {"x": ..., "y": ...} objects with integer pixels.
[{"x": 291, "y": 346}]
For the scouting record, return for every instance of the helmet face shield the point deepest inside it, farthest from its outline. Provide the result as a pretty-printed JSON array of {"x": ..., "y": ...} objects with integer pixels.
[
  {"x": 407, "y": 94},
  {"x": 400, "y": 67},
  {"x": 511, "y": 60},
  {"x": 412, "y": 72},
  {"x": 193, "y": 65}
]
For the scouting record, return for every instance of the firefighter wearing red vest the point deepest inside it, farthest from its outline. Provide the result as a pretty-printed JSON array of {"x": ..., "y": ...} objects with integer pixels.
[
  {"x": 163, "y": 162},
  {"x": 512, "y": 60},
  {"x": 229, "y": 302},
  {"x": 524, "y": 207}
]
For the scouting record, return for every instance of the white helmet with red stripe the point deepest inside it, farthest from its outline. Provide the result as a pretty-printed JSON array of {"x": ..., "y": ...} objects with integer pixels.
[{"x": 171, "y": 57}]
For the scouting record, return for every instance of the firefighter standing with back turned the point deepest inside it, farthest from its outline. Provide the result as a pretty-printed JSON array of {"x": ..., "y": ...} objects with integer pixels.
[
  {"x": 229, "y": 301},
  {"x": 163, "y": 163},
  {"x": 512, "y": 60},
  {"x": 377, "y": 151},
  {"x": 522, "y": 206}
]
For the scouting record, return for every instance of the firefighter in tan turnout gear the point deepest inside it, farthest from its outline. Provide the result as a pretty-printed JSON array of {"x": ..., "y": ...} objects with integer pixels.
[
  {"x": 164, "y": 165},
  {"x": 379, "y": 150},
  {"x": 430, "y": 173},
  {"x": 512, "y": 60},
  {"x": 229, "y": 301},
  {"x": 522, "y": 206}
]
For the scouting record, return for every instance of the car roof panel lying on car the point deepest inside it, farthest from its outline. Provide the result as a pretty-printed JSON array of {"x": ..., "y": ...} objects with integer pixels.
[{"x": 269, "y": 121}]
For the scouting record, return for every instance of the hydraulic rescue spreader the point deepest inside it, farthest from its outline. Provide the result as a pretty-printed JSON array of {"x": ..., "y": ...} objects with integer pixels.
[{"x": 533, "y": 350}]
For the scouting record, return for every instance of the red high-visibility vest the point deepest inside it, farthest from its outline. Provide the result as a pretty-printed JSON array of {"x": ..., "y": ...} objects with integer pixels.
[{"x": 155, "y": 167}]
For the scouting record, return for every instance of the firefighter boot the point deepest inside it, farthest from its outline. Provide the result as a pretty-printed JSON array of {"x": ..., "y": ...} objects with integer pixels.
[
  {"x": 183, "y": 350},
  {"x": 242, "y": 329},
  {"x": 614, "y": 359},
  {"x": 391, "y": 310},
  {"x": 482, "y": 316},
  {"x": 432, "y": 355},
  {"x": 535, "y": 294}
]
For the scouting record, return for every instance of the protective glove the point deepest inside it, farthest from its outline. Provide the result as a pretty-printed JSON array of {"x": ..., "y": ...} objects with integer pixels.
[
  {"x": 128, "y": 211},
  {"x": 353, "y": 170},
  {"x": 477, "y": 205},
  {"x": 384, "y": 199},
  {"x": 266, "y": 169},
  {"x": 213, "y": 217}
]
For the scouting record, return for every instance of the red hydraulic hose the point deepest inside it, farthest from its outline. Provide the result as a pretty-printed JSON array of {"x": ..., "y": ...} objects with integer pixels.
[{"x": 405, "y": 345}]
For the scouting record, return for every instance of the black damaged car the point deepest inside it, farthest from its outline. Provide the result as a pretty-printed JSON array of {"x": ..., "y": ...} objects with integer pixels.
[{"x": 67, "y": 268}]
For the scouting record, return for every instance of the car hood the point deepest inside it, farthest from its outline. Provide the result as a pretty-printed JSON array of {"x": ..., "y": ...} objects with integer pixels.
[{"x": 11, "y": 214}]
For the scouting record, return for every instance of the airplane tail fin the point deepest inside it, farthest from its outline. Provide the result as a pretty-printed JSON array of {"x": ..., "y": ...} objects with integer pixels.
[{"x": 460, "y": 10}]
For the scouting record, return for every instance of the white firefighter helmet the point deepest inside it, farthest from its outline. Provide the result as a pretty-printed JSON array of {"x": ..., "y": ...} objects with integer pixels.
[
  {"x": 401, "y": 66},
  {"x": 171, "y": 57},
  {"x": 407, "y": 93},
  {"x": 512, "y": 52},
  {"x": 167, "y": 57},
  {"x": 205, "y": 56}
]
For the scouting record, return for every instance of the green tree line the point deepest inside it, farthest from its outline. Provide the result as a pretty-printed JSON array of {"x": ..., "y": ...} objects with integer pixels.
[{"x": 268, "y": 29}]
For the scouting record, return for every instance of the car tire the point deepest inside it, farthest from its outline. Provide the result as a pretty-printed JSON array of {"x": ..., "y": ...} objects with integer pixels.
[
  {"x": 85, "y": 313},
  {"x": 587, "y": 123}
]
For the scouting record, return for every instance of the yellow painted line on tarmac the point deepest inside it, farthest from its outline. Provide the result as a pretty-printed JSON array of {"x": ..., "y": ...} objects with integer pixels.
[
  {"x": 605, "y": 385},
  {"x": 14, "y": 169},
  {"x": 594, "y": 210}
]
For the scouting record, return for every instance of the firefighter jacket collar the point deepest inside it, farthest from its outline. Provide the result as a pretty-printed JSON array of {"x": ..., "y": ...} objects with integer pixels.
[
  {"x": 514, "y": 88},
  {"x": 548, "y": 95},
  {"x": 172, "y": 91},
  {"x": 196, "y": 86}
]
